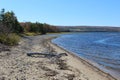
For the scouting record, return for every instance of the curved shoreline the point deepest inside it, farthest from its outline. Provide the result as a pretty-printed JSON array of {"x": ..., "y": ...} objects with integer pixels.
[
  {"x": 85, "y": 62},
  {"x": 16, "y": 64}
]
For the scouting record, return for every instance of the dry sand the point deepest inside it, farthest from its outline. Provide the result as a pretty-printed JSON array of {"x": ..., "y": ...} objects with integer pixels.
[{"x": 17, "y": 65}]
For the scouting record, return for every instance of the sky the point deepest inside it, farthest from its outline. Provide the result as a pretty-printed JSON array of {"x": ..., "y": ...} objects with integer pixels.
[{"x": 66, "y": 12}]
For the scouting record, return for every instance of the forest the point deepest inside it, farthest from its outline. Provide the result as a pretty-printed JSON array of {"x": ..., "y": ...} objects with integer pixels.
[{"x": 11, "y": 28}]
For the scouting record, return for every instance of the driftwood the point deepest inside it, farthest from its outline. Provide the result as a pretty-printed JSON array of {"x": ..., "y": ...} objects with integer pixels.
[
  {"x": 46, "y": 54},
  {"x": 40, "y": 54}
]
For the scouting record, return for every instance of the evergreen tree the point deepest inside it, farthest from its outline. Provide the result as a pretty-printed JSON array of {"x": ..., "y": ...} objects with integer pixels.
[{"x": 10, "y": 22}]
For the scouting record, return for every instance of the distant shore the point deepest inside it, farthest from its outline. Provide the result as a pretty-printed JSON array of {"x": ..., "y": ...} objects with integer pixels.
[{"x": 59, "y": 65}]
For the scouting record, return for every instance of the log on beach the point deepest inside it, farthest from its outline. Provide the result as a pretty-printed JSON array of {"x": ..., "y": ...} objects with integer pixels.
[{"x": 47, "y": 54}]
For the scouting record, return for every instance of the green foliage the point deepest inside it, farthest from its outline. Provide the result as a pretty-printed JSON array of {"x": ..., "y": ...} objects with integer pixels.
[
  {"x": 9, "y": 24},
  {"x": 31, "y": 34},
  {"x": 11, "y": 40},
  {"x": 38, "y": 28},
  {"x": 43, "y": 29},
  {"x": 9, "y": 20}
]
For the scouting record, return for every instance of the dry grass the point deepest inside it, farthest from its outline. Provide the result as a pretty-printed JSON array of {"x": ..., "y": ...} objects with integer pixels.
[
  {"x": 11, "y": 39},
  {"x": 31, "y": 34}
]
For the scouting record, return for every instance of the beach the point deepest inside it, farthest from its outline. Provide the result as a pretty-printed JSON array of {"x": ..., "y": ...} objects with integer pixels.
[{"x": 16, "y": 64}]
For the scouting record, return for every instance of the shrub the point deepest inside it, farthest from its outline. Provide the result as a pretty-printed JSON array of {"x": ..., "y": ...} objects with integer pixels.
[
  {"x": 11, "y": 39},
  {"x": 30, "y": 34}
]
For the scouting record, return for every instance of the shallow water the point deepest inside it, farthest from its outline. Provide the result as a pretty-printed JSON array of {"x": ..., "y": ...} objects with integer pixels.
[{"x": 101, "y": 47}]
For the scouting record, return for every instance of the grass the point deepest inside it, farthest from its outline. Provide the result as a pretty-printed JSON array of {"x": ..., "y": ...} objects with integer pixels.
[
  {"x": 34, "y": 34},
  {"x": 11, "y": 39},
  {"x": 59, "y": 32},
  {"x": 31, "y": 34}
]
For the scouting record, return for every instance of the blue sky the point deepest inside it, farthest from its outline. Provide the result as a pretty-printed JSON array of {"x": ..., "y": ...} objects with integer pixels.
[{"x": 66, "y": 12}]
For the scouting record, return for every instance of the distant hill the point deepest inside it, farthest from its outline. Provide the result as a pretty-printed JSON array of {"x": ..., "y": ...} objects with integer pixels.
[{"x": 88, "y": 28}]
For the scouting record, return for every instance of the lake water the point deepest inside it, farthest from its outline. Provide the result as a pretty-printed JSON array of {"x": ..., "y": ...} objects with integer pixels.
[{"x": 102, "y": 48}]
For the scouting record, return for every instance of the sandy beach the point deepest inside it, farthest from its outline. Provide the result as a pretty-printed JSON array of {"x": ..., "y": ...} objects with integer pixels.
[{"x": 23, "y": 62}]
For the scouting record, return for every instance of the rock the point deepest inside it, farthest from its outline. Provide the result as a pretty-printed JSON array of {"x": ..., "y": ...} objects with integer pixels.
[
  {"x": 4, "y": 48},
  {"x": 2, "y": 78},
  {"x": 70, "y": 76},
  {"x": 51, "y": 73}
]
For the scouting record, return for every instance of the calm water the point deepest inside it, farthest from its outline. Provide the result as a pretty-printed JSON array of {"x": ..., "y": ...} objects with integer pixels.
[{"x": 101, "y": 47}]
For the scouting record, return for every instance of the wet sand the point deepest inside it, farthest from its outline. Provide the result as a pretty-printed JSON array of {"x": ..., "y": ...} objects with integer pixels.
[{"x": 17, "y": 65}]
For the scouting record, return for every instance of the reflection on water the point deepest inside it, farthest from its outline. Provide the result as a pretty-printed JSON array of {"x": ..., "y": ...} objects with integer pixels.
[{"x": 101, "y": 47}]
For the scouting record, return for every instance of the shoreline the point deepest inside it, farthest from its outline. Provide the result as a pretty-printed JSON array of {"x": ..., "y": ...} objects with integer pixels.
[
  {"x": 85, "y": 62},
  {"x": 17, "y": 65}
]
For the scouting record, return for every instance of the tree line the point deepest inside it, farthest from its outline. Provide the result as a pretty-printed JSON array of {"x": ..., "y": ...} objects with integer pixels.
[
  {"x": 11, "y": 28},
  {"x": 37, "y": 27},
  {"x": 10, "y": 24}
]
